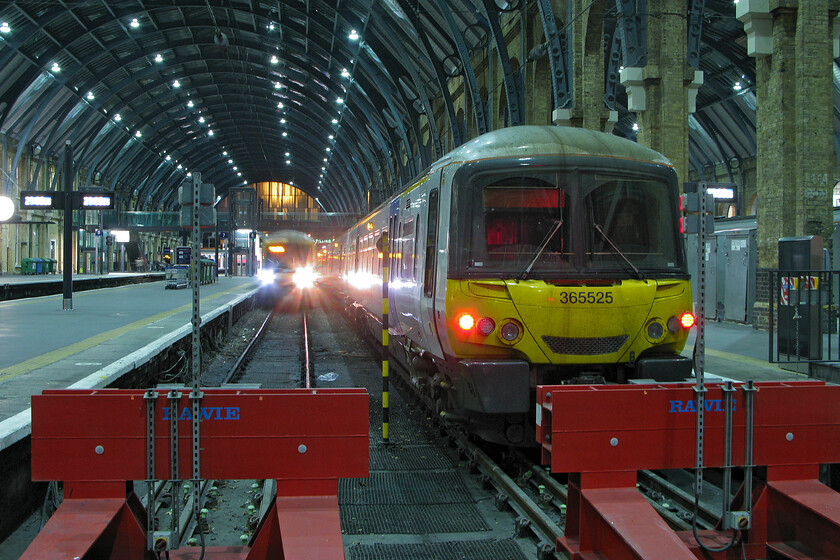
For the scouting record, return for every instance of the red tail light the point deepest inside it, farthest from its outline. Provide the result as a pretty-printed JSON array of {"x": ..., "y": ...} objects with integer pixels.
[
  {"x": 466, "y": 321},
  {"x": 687, "y": 320}
]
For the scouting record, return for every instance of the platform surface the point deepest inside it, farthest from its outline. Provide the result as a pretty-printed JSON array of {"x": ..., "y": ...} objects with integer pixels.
[{"x": 45, "y": 347}]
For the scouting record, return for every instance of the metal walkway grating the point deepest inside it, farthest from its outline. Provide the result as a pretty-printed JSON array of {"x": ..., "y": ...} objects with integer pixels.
[
  {"x": 411, "y": 520},
  {"x": 416, "y": 487},
  {"x": 418, "y": 458},
  {"x": 456, "y": 550}
]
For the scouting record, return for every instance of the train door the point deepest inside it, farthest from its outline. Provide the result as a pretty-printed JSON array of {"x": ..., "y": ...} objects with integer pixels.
[
  {"x": 429, "y": 270},
  {"x": 393, "y": 274}
]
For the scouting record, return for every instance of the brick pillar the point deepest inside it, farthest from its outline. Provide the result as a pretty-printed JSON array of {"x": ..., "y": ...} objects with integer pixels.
[
  {"x": 794, "y": 122},
  {"x": 666, "y": 81}
]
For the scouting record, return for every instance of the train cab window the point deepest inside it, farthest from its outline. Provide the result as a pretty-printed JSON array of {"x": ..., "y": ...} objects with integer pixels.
[
  {"x": 630, "y": 220},
  {"x": 519, "y": 215}
]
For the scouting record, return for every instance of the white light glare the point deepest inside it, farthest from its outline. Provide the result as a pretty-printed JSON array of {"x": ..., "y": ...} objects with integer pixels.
[
  {"x": 331, "y": 136},
  {"x": 274, "y": 59},
  {"x": 271, "y": 26},
  {"x": 176, "y": 84},
  {"x": 282, "y": 121},
  {"x": 287, "y": 154},
  {"x": 335, "y": 121},
  {"x": 239, "y": 174},
  {"x": 168, "y": 158},
  {"x": 4, "y": 27},
  {"x": 737, "y": 86},
  {"x": 201, "y": 119},
  {"x": 210, "y": 132},
  {"x": 277, "y": 85},
  {"x": 190, "y": 103},
  {"x": 7, "y": 205},
  {"x": 353, "y": 35},
  {"x": 92, "y": 200},
  {"x": 280, "y": 105},
  {"x": 345, "y": 73},
  {"x": 56, "y": 67},
  {"x": 117, "y": 117},
  {"x": 134, "y": 23},
  {"x": 158, "y": 58},
  {"x": 635, "y": 126},
  {"x": 288, "y": 162},
  {"x": 224, "y": 153},
  {"x": 339, "y": 101},
  {"x": 230, "y": 161},
  {"x": 285, "y": 134},
  {"x": 90, "y": 96},
  {"x": 138, "y": 134},
  {"x": 235, "y": 168},
  {"x": 180, "y": 166}
]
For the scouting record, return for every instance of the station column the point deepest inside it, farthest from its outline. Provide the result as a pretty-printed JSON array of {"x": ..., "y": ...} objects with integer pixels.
[
  {"x": 792, "y": 43},
  {"x": 662, "y": 93}
]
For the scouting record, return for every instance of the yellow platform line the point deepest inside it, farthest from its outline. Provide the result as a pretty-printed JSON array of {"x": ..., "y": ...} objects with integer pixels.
[
  {"x": 755, "y": 362},
  {"x": 58, "y": 354}
]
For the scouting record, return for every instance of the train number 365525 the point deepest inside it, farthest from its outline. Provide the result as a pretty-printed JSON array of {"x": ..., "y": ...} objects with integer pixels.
[{"x": 590, "y": 297}]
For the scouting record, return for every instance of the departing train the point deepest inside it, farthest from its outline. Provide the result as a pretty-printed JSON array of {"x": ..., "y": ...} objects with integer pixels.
[
  {"x": 287, "y": 264},
  {"x": 529, "y": 255}
]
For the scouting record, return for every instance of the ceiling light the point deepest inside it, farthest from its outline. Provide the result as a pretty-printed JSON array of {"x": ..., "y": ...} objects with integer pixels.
[
  {"x": 244, "y": 182},
  {"x": 134, "y": 23},
  {"x": 201, "y": 119},
  {"x": 635, "y": 126},
  {"x": 353, "y": 35},
  {"x": 230, "y": 161},
  {"x": 56, "y": 67},
  {"x": 345, "y": 73},
  {"x": 331, "y": 136},
  {"x": 239, "y": 174},
  {"x": 339, "y": 101},
  {"x": 277, "y": 85},
  {"x": 274, "y": 59},
  {"x": 288, "y": 162},
  {"x": 323, "y": 169},
  {"x": 210, "y": 132},
  {"x": 189, "y": 174},
  {"x": 190, "y": 103},
  {"x": 180, "y": 166},
  {"x": 282, "y": 121},
  {"x": 158, "y": 58},
  {"x": 235, "y": 168},
  {"x": 280, "y": 105},
  {"x": 287, "y": 154},
  {"x": 335, "y": 121},
  {"x": 138, "y": 134},
  {"x": 328, "y": 148},
  {"x": 285, "y": 134},
  {"x": 168, "y": 158},
  {"x": 737, "y": 86},
  {"x": 4, "y": 27},
  {"x": 271, "y": 26},
  {"x": 117, "y": 117},
  {"x": 90, "y": 95},
  {"x": 176, "y": 84},
  {"x": 325, "y": 160},
  {"x": 224, "y": 153}
]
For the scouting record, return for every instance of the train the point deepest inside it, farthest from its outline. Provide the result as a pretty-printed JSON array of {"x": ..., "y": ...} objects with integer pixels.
[
  {"x": 287, "y": 266},
  {"x": 529, "y": 255}
]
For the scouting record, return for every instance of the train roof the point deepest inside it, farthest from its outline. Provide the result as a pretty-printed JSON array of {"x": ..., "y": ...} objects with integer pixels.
[
  {"x": 288, "y": 236},
  {"x": 549, "y": 141}
]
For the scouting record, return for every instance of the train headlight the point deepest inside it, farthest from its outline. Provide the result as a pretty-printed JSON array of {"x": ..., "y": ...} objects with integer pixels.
[
  {"x": 510, "y": 332},
  {"x": 304, "y": 278},
  {"x": 486, "y": 325},
  {"x": 655, "y": 330},
  {"x": 266, "y": 277}
]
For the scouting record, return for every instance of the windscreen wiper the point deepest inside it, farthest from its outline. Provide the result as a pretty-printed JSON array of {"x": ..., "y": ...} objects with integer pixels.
[
  {"x": 619, "y": 252},
  {"x": 555, "y": 228}
]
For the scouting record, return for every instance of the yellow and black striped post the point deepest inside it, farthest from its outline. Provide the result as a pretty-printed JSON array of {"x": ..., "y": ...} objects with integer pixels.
[{"x": 382, "y": 245}]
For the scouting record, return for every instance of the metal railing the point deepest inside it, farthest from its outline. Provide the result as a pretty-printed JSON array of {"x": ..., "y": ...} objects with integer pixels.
[{"x": 803, "y": 316}]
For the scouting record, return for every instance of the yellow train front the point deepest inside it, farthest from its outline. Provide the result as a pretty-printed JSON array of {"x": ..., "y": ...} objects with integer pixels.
[
  {"x": 527, "y": 256},
  {"x": 286, "y": 271}
]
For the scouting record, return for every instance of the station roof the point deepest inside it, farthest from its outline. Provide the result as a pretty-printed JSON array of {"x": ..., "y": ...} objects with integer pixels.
[{"x": 316, "y": 93}]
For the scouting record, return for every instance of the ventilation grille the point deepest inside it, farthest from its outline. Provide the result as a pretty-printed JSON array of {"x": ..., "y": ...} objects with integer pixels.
[{"x": 585, "y": 346}]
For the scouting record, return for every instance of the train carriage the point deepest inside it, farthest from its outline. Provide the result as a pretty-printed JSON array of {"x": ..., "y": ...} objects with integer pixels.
[
  {"x": 526, "y": 256},
  {"x": 286, "y": 266}
]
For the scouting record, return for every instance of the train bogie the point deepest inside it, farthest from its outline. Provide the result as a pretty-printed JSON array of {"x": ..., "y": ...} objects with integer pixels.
[{"x": 528, "y": 255}]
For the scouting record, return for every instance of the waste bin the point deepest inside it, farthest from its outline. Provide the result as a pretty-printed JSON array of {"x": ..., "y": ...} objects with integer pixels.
[
  {"x": 39, "y": 265},
  {"x": 27, "y": 266},
  {"x": 49, "y": 266}
]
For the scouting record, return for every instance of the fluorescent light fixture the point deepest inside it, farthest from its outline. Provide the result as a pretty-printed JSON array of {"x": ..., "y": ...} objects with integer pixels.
[
  {"x": 134, "y": 23},
  {"x": 4, "y": 28},
  {"x": 158, "y": 58},
  {"x": 353, "y": 35},
  {"x": 722, "y": 193},
  {"x": 121, "y": 236},
  {"x": 90, "y": 95},
  {"x": 287, "y": 154},
  {"x": 117, "y": 117},
  {"x": 331, "y": 136},
  {"x": 56, "y": 67}
]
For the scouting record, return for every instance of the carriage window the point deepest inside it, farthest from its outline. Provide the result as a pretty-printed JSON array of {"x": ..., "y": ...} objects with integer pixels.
[
  {"x": 518, "y": 215},
  {"x": 407, "y": 257},
  {"x": 630, "y": 219}
]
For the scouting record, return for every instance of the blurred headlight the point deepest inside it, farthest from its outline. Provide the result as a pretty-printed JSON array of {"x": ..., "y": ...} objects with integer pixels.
[
  {"x": 266, "y": 277},
  {"x": 304, "y": 278}
]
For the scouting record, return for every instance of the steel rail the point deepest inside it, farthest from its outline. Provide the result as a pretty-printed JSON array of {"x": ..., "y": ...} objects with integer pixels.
[{"x": 234, "y": 370}]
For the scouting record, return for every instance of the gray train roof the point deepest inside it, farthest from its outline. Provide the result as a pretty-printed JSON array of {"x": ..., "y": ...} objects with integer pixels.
[{"x": 266, "y": 77}]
